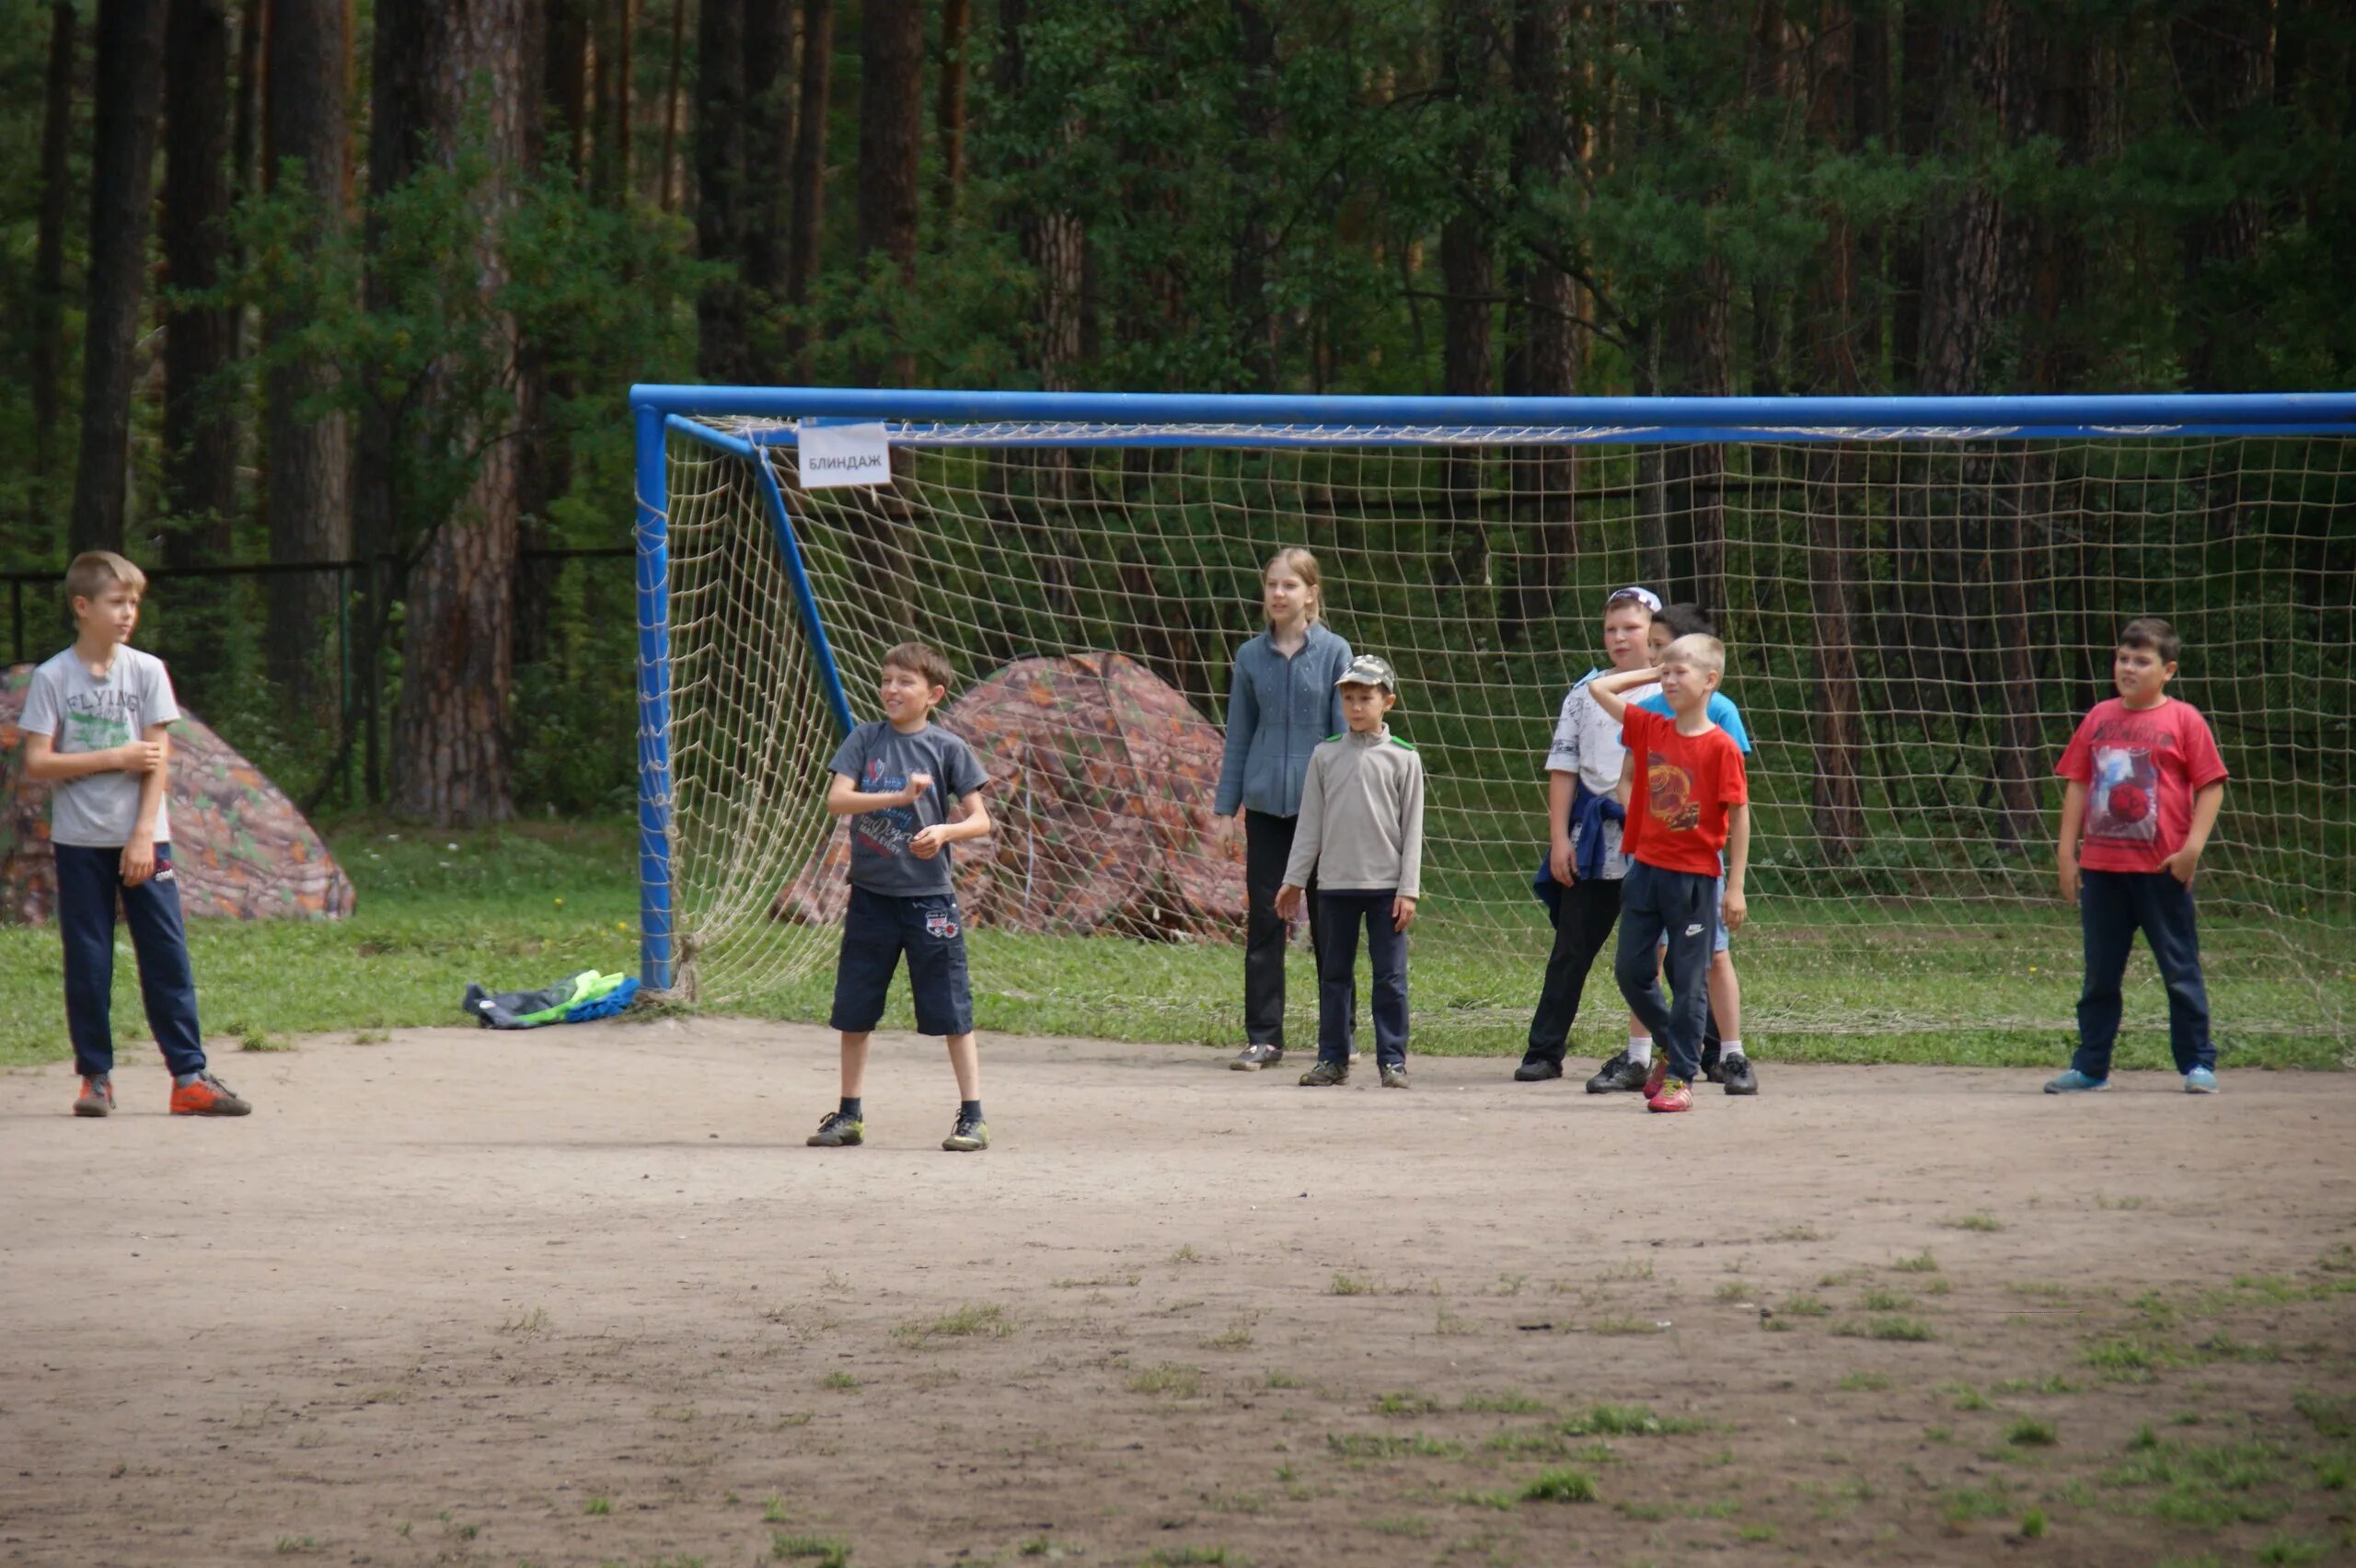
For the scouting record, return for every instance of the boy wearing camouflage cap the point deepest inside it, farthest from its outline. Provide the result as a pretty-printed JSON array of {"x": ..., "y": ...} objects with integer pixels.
[{"x": 1361, "y": 831}]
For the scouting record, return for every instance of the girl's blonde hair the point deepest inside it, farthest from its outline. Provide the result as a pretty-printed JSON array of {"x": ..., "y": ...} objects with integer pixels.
[{"x": 1303, "y": 565}]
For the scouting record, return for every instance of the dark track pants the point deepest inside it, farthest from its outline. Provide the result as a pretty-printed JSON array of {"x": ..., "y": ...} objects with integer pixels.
[
  {"x": 1337, "y": 962},
  {"x": 88, "y": 883},
  {"x": 1267, "y": 845},
  {"x": 1681, "y": 909},
  {"x": 2112, "y": 906},
  {"x": 1583, "y": 924}
]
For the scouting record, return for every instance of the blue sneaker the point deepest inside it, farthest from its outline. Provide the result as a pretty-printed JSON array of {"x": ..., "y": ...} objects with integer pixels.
[
  {"x": 2075, "y": 1082},
  {"x": 2201, "y": 1080}
]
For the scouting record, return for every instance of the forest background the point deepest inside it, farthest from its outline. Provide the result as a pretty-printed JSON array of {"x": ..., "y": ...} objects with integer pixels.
[{"x": 364, "y": 282}]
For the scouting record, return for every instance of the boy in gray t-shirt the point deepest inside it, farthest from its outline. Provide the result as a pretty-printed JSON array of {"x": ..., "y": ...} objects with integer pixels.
[
  {"x": 96, "y": 729},
  {"x": 896, "y": 778}
]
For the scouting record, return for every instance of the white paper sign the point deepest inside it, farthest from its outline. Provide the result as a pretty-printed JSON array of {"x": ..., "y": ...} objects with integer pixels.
[{"x": 844, "y": 455}]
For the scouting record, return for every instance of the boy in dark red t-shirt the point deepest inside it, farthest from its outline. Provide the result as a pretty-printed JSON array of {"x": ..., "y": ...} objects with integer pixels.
[
  {"x": 1688, "y": 801},
  {"x": 2145, "y": 783}
]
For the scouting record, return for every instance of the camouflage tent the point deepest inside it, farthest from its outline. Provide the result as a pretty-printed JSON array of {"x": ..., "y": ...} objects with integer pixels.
[
  {"x": 242, "y": 851},
  {"x": 1101, "y": 777}
]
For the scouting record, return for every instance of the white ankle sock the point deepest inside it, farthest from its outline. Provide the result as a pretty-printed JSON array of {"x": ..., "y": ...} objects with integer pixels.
[
  {"x": 1729, "y": 1048},
  {"x": 1640, "y": 1049}
]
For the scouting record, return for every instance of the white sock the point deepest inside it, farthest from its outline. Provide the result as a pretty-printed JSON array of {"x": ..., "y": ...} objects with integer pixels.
[
  {"x": 1640, "y": 1049},
  {"x": 1729, "y": 1048}
]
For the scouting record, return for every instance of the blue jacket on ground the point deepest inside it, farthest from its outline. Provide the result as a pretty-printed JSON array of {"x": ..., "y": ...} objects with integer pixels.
[{"x": 1278, "y": 711}]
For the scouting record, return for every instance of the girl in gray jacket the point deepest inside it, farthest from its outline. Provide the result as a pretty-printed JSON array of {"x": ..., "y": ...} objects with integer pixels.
[{"x": 1282, "y": 702}]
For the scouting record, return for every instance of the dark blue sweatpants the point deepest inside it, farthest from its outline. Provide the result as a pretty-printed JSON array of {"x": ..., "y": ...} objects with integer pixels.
[
  {"x": 2112, "y": 906},
  {"x": 1339, "y": 915},
  {"x": 1679, "y": 910},
  {"x": 89, "y": 883}
]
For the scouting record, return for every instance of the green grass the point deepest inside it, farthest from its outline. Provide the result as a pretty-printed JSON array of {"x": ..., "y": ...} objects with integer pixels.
[
  {"x": 1560, "y": 1486},
  {"x": 1864, "y": 1383},
  {"x": 1910, "y": 1330},
  {"x": 598, "y": 1505},
  {"x": 1169, "y": 1378},
  {"x": 1630, "y": 1420},
  {"x": 1385, "y": 1445},
  {"x": 821, "y": 1550},
  {"x": 2030, "y": 1433},
  {"x": 1920, "y": 1263},
  {"x": 522, "y": 904},
  {"x": 965, "y": 1322}
]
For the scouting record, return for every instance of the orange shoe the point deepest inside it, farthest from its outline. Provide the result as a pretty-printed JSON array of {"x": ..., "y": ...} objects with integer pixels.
[
  {"x": 1660, "y": 1073},
  {"x": 97, "y": 1097},
  {"x": 1675, "y": 1094},
  {"x": 208, "y": 1096}
]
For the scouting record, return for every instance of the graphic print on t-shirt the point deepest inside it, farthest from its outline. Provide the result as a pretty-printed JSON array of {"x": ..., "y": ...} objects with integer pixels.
[
  {"x": 886, "y": 832},
  {"x": 2123, "y": 803},
  {"x": 1668, "y": 792}
]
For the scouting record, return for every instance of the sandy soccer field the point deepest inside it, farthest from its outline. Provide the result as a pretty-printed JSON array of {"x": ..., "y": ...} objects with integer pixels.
[{"x": 583, "y": 1296}]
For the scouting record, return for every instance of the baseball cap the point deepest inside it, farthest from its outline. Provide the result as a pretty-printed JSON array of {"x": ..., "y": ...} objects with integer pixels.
[
  {"x": 1645, "y": 597},
  {"x": 1367, "y": 670}
]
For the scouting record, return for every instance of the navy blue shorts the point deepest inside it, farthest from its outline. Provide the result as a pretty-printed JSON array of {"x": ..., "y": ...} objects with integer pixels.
[{"x": 877, "y": 928}]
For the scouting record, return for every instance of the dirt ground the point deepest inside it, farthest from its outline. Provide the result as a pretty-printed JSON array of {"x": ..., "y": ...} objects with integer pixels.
[{"x": 583, "y": 1296}]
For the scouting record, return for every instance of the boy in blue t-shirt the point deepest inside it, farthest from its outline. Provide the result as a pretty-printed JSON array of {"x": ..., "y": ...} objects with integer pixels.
[
  {"x": 1724, "y": 1060},
  {"x": 896, "y": 778}
]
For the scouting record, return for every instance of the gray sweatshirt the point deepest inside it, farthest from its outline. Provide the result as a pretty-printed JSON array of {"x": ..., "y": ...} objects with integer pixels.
[{"x": 1361, "y": 824}]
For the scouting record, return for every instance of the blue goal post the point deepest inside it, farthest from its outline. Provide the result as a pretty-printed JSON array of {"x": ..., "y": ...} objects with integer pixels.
[{"x": 750, "y": 424}]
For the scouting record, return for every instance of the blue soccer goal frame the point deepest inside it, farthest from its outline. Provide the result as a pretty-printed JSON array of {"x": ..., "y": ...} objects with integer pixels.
[{"x": 921, "y": 418}]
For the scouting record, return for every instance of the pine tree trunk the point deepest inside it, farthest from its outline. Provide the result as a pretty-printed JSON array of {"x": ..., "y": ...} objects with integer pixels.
[
  {"x": 451, "y": 762},
  {"x": 949, "y": 114},
  {"x": 245, "y": 132},
  {"x": 307, "y": 471},
  {"x": 809, "y": 176},
  {"x": 667, "y": 187},
  {"x": 122, "y": 154},
  {"x": 1255, "y": 322},
  {"x": 1467, "y": 283},
  {"x": 723, "y": 326},
  {"x": 2223, "y": 53},
  {"x": 1542, "y": 347},
  {"x": 611, "y": 153},
  {"x": 769, "y": 148},
  {"x": 567, "y": 80},
  {"x": 891, "y": 144},
  {"x": 48, "y": 346}
]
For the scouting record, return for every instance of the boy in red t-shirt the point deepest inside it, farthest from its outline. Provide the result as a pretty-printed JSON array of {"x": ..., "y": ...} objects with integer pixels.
[
  {"x": 1689, "y": 799},
  {"x": 2145, "y": 783}
]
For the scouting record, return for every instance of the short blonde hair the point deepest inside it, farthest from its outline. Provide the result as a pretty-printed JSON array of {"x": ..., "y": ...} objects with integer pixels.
[
  {"x": 1699, "y": 650},
  {"x": 94, "y": 570},
  {"x": 1303, "y": 565}
]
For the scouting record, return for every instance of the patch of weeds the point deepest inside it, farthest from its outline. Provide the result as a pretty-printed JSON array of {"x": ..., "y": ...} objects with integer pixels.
[
  {"x": 1524, "y": 1440},
  {"x": 1624, "y": 1323},
  {"x": 1414, "y": 1527},
  {"x": 1187, "y": 1254},
  {"x": 824, "y": 1550},
  {"x": 2030, "y": 1433},
  {"x": 295, "y": 1546},
  {"x": 1168, "y": 1377},
  {"x": 2292, "y": 1551},
  {"x": 1040, "y": 1546},
  {"x": 1503, "y": 1405},
  {"x": 1350, "y": 1285},
  {"x": 1189, "y": 1556},
  {"x": 1560, "y": 1486},
  {"x": 2333, "y": 1416},
  {"x": 1906, "y": 1330},
  {"x": 1962, "y": 1505},
  {"x": 1511, "y": 1284},
  {"x": 1796, "y": 1233},
  {"x": 370, "y": 1036},
  {"x": 1879, "y": 1300},
  {"x": 1940, "y": 1286},
  {"x": 1920, "y": 1263},
  {"x": 2051, "y": 1383},
  {"x": 963, "y": 1323},
  {"x": 1775, "y": 1325},
  {"x": 250, "y": 1038},
  {"x": 1732, "y": 1290},
  {"x": 1386, "y": 1446},
  {"x": 1804, "y": 1307},
  {"x": 1635, "y": 1268},
  {"x": 2033, "y": 1524},
  {"x": 2338, "y": 1260},
  {"x": 1500, "y": 1501},
  {"x": 1405, "y": 1402},
  {"x": 1284, "y": 1380},
  {"x": 1643, "y": 1512},
  {"x": 1447, "y": 1323},
  {"x": 1239, "y": 1502},
  {"x": 2332, "y": 1471},
  {"x": 526, "y": 1324},
  {"x": 1863, "y": 1382},
  {"x": 1757, "y": 1534},
  {"x": 1101, "y": 1281},
  {"x": 2205, "y": 1486},
  {"x": 1630, "y": 1420},
  {"x": 2103, "y": 1201},
  {"x": 1237, "y": 1336},
  {"x": 841, "y": 1382},
  {"x": 1987, "y": 1222},
  {"x": 2156, "y": 1309},
  {"x": 1938, "y": 1434},
  {"x": 598, "y": 1506},
  {"x": 775, "y": 1511}
]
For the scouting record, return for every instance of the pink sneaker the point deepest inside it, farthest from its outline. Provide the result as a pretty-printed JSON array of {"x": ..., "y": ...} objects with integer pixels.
[
  {"x": 1675, "y": 1094},
  {"x": 1660, "y": 1073}
]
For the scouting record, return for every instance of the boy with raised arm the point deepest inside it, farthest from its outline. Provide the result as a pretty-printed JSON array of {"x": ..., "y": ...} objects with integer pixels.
[
  {"x": 1688, "y": 801},
  {"x": 896, "y": 778},
  {"x": 97, "y": 728},
  {"x": 2145, "y": 784}
]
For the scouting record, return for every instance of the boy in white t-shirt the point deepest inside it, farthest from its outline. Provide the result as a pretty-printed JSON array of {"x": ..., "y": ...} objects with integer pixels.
[
  {"x": 96, "y": 726},
  {"x": 1580, "y": 882}
]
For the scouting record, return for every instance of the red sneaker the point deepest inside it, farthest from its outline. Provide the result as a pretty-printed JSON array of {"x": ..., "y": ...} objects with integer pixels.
[
  {"x": 1654, "y": 1078},
  {"x": 1675, "y": 1094},
  {"x": 97, "y": 1097},
  {"x": 208, "y": 1096}
]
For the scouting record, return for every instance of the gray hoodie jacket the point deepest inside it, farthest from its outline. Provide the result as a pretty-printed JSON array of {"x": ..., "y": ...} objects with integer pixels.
[
  {"x": 1361, "y": 824},
  {"x": 1277, "y": 710}
]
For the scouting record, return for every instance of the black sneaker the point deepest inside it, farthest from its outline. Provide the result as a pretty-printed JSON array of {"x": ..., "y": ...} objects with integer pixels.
[
  {"x": 1537, "y": 1069},
  {"x": 1254, "y": 1057},
  {"x": 1736, "y": 1074},
  {"x": 1326, "y": 1074},
  {"x": 970, "y": 1135},
  {"x": 1394, "y": 1077},
  {"x": 1618, "y": 1075},
  {"x": 837, "y": 1131},
  {"x": 1710, "y": 1068}
]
